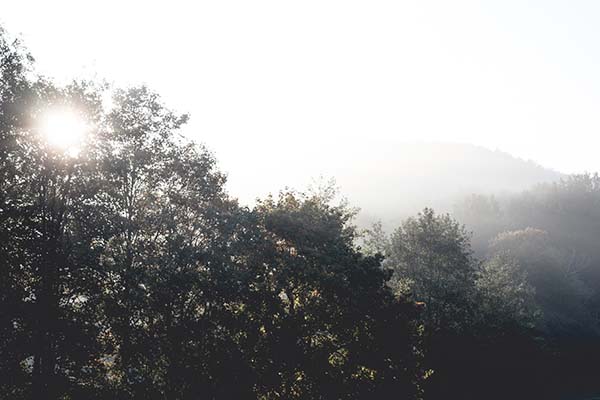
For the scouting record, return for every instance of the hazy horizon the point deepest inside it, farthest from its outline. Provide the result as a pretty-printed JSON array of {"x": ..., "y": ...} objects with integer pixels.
[
  {"x": 294, "y": 93},
  {"x": 320, "y": 83},
  {"x": 371, "y": 200}
]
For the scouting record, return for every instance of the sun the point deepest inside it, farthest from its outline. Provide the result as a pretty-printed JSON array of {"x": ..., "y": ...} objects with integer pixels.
[{"x": 64, "y": 129}]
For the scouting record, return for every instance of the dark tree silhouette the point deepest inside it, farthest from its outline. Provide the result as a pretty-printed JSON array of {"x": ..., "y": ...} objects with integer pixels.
[{"x": 128, "y": 272}]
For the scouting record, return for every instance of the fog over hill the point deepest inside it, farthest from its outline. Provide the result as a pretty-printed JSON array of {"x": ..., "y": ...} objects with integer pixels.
[
  {"x": 401, "y": 181},
  {"x": 390, "y": 182}
]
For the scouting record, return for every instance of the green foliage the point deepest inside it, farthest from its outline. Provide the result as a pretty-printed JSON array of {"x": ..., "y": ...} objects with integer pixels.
[
  {"x": 560, "y": 293},
  {"x": 432, "y": 260},
  {"x": 551, "y": 231},
  {"x": 375, "y": 240},
  {"x": 478, "y": 316},
  {"x": 507, "y": 299},
  {"x": 339, "y": 330},
  {"x": 128, "y": 272}
]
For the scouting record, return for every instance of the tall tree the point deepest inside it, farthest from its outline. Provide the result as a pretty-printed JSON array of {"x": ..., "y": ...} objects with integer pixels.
[
  {"x": 44, "y": 195},
  {"x": 14, "y": 90},
  {"x": 170, "y": 218},
  {"x": 432, "y": 260},
  {"x": 128, "y": 272},
  {"x": 338, "y": 331}
]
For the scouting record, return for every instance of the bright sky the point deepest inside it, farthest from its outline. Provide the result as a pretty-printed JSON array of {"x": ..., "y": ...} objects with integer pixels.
[{"x": 288, "y": 89}]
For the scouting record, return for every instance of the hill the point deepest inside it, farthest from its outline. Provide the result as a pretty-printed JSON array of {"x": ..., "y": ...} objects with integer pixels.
[{"x": 397, "y": 182}]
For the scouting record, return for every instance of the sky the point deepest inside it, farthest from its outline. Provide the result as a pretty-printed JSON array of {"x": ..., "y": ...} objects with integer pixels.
[{"x": 283, "y": 91}]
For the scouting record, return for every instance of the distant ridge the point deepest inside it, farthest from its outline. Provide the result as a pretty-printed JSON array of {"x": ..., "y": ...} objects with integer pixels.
[{"x": 399, "y": 181}]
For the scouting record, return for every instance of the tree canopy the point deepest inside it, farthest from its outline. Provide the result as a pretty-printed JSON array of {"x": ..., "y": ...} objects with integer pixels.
[{"x": 128, "y": 271}]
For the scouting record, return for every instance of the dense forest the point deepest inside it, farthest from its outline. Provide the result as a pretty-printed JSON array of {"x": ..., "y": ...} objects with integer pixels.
[{"x": 128, "y": 272}]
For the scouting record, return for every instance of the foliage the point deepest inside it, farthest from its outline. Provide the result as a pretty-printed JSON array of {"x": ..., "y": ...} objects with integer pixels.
[
  {"x": 560, "y": 293},
  {"x": 432, "y": 260},
  {"x": 338, "y": 326},
  {"x": 507, "y": 297},
  {"x": 128, "y": 272}
]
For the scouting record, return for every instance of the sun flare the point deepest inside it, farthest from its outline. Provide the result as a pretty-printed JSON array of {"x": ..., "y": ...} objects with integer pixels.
[{"x": 64, "y": 129}]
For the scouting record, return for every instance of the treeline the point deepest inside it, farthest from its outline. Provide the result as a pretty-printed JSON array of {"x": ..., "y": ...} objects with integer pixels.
[
  {"x": 128, "y": 272},
  {"x": 553, "y": 233}
]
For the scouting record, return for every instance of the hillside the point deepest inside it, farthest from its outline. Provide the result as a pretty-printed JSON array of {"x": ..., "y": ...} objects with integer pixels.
[{"x": 396, "y": 182}]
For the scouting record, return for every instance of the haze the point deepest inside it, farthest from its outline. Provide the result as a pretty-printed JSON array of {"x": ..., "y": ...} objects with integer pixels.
[
  {"x": 283, "y": 92},
  {"x": 136, "y": 264}
]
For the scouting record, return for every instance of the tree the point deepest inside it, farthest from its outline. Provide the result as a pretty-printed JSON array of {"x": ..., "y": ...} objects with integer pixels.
[
  {"x": 375, "y": 240},
  {"x": 337, "y": 331},
  {"x": 484, "y": 216},
  {"x": 14, "y": 90},
  {"x": 128, "y": 271},
  {"x": 553, "y": 273},
  {"x": 477, "y": 316},
  {"x": 432, "y": 260},
  {"x": 507, "y": 299},
  {"x": 170, "y": 287},
  {"x": 46, "y": 319}
]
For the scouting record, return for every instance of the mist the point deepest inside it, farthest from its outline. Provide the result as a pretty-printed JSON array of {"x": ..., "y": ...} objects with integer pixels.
[{"x": 322, "y": 200}]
